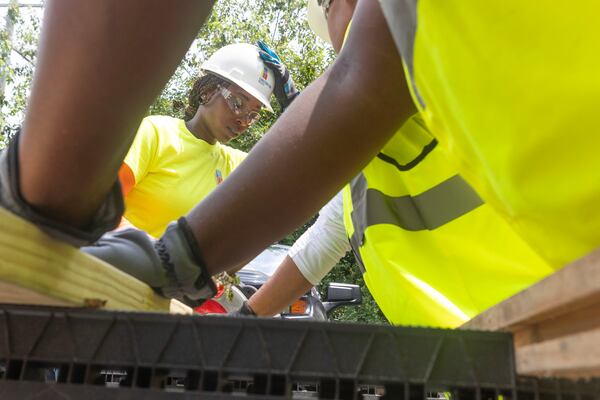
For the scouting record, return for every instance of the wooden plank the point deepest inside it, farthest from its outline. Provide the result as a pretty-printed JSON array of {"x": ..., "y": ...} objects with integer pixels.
[
  {"x": 555, "y": 323},
  {"x": 575, "y": 356},
  {"x": 579, "y": 320},
  {"x": 36, "y": 269},
  {"x": 573, "y": 287}
]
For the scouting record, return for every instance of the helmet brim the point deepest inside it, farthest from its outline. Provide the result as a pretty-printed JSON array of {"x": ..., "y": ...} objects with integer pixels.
[
  {"x": 248, "y": 88},
  {"x": 317, "y": 21},
  {"x": 241, "y": 64}
]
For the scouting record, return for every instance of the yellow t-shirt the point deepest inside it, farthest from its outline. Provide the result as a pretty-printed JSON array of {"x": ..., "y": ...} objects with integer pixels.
[{"x": 173, "y": 170}]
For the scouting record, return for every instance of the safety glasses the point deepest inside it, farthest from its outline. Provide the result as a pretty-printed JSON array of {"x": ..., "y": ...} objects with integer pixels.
[
  {"x": 239, "y": 107},
  {"x": 325, "y": 4}
]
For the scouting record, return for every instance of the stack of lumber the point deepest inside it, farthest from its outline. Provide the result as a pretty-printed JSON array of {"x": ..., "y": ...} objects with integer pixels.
[
  {"x": 36, "y": 269},
  {"x": 555, "y": 323}
]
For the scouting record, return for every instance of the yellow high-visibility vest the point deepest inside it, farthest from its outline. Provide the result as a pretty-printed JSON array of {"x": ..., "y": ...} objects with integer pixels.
[
  {"x": 512, "y": 90},
  {"x": 432, "y": 252}
]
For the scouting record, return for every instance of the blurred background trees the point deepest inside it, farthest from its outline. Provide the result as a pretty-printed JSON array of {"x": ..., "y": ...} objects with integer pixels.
[{"x": 18, "y": 41}]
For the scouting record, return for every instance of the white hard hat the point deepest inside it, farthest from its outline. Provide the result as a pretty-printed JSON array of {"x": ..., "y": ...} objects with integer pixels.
[
  {"x": 317, "y": 20},
  {"x": 241, "y": 64}
]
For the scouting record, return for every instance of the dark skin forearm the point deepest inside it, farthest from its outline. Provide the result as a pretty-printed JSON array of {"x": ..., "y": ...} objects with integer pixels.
[
  {"x": 323, "y": 139},
  {"x": 100, "y": 65}
]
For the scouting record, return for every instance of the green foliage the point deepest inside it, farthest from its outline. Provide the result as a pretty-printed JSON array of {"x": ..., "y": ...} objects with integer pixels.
[
  {"x": 347, "y": 271},
  {"x": 18, "y": 40}
]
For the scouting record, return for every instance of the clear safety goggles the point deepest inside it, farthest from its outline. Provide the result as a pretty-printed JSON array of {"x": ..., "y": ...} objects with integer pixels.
[
  {"x": 325, "y": 4},
  {"x": 239, "y": 107}
]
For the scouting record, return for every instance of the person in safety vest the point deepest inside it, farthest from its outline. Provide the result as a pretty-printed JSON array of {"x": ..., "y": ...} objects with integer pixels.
[
  {"x": 431, "y": 251},
  {"x": 173, "y": 164}
]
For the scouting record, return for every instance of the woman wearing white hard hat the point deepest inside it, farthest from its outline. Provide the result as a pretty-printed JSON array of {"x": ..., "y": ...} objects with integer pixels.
[{"x": 173, "y": 163}]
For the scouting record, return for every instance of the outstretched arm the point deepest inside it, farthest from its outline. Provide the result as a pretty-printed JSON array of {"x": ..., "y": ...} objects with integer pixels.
[
  {"x": 286, "y": 285},
  {"x": 313, "y": 255},
  {"x": 323, "y": 139}
]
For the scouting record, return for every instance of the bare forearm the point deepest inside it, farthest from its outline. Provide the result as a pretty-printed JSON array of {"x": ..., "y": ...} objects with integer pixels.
[
  {"x": 285, "y": 286},
  {"x": 100, "y": 65},
  {"x": 323, "y": 139}
]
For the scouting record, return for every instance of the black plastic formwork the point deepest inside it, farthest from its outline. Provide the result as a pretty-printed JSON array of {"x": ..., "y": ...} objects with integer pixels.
[{"x": 73, "y": 354}]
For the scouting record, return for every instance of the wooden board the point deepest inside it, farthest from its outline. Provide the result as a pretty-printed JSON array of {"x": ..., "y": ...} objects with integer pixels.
[
  {"x": 36, "y": 269},
  {"x": 574, "y": 356},
  {"x": 555, "y": 323}
]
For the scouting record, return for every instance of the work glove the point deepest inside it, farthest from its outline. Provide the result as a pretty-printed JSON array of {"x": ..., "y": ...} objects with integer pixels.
[
  {"x": 106, "y": 218},
  {"x": 171, "y": 265},
  {"x": 285, "y": 91},
  {"x": 244, "y": 311}
]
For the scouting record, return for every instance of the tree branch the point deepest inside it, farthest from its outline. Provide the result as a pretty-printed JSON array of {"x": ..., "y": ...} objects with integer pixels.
[{"x": 24, "y": 57}]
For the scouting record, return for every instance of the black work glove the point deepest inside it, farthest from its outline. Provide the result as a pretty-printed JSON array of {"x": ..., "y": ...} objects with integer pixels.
[
  {"x": 285, "y": 91},
  {"x": 244, "y": 311},
  {"x": 106, "y": 217},
  {"x": 171, "y": 265}
]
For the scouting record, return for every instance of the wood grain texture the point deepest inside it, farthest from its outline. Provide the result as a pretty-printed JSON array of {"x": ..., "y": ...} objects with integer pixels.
[
  {"x": 575, "y": 355},
  {"x": 36, "y": 269},
  {"x": 555, "y": 323},
  {"x": 575, "y": 286}
]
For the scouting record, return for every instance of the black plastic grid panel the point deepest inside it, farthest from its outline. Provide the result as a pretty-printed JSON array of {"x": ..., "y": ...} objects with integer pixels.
[{"x": 74, "y": 353}]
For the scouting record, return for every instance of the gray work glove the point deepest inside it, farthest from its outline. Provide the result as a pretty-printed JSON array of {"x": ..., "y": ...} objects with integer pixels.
[
  {"x": 107, "y": 216},
  {"x": 285, "y": 91},
  {"x": 244, "y": 311},
  {"x": 171, "y": 265}
]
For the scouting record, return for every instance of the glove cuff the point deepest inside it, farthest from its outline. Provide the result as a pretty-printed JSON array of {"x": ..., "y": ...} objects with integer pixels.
[
  {"x": 245, "y": 309},
  {"x": 289, "y": 100},
  {"x": 189, "y": 279},
  {"x": 106, "y": 218}
]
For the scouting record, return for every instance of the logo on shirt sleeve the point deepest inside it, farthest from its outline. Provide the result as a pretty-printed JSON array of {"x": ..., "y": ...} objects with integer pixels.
[{"x": 218, "y": 176}]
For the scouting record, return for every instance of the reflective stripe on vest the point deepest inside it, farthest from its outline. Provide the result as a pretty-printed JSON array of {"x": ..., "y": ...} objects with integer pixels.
[
  {"x": 432, "y": 252},
  {"x": 429, "y": 210}
]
